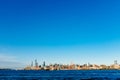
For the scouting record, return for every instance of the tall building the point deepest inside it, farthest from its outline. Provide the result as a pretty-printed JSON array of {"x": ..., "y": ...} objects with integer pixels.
[
  {"x": 44, "y": 64},
  {"x": 36, "y": 63},
  {"x": 32, "y": 64},
  {"x": 115, "y": 62}
]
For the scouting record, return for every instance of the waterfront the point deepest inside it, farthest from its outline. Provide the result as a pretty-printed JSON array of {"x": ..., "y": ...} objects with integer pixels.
[
  {"x": 72, "y": 66},
  {"x": 60, "y": 75}
]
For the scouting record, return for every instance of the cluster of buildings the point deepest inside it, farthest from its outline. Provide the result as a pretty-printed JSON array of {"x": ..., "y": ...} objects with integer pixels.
[{"x": 88, "y": 66}]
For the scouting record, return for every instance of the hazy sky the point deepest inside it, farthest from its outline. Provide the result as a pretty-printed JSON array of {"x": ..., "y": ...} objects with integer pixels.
[{"x": 59, "y": 31}]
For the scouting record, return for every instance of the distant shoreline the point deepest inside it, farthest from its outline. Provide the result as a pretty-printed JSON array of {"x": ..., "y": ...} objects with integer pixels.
[{"x": 58, "y": 70}]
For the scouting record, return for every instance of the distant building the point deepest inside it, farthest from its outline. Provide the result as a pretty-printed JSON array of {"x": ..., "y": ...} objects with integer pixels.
[
  {"x": 36, "y": 63},
  {"x": 115, "y": 62},
  {"x": 44, "y": 64},
  {"x": 70, "y": 67},
  {"x": 115, "y": 65},
  {"x": 32, "y": 64}
]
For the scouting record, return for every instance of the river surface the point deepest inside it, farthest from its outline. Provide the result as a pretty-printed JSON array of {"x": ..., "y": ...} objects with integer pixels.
[{"x": 60, "y": 75}]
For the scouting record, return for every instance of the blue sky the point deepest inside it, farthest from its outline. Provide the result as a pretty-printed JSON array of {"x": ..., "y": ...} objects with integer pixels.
[{"x": 60, "y": 31}]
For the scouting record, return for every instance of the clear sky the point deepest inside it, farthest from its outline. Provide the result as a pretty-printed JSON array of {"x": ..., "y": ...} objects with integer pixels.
[{"x": 59, "y": 31}]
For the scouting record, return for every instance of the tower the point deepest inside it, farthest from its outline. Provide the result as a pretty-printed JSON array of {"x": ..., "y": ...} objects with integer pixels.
[
  {"x": 115, "y": 62},
  {"x": 32, "y": 64},
  {"x": 36, "y": 64},
  {"x": 44, "y": 64}
]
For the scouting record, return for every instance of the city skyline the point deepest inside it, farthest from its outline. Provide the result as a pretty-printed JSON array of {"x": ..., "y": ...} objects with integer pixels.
[
  {"x": 78, "y": 31},
  {"x": 35, "y": 66}
]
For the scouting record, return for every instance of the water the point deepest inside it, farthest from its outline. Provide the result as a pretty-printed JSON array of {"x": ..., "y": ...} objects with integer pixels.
[{"x": 60, "y": 75}]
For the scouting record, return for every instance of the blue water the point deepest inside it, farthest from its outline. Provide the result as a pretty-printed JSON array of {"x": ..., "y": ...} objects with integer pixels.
[{"x": 60, "y": 75}]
